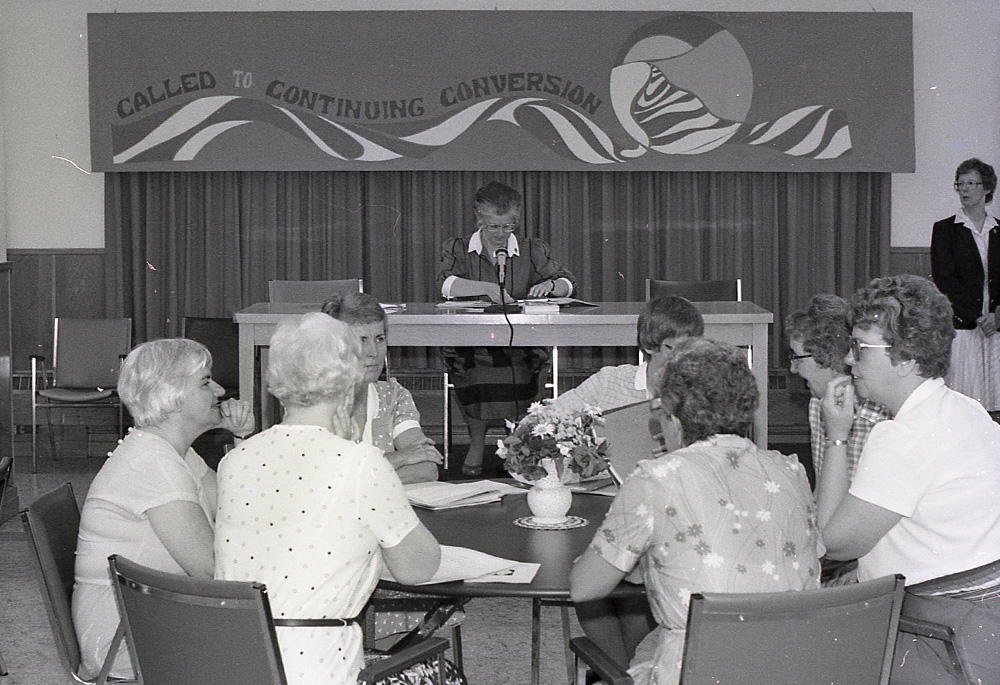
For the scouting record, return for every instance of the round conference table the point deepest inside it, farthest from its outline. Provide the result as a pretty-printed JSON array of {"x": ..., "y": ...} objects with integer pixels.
[{"x": 490, "y": 528}]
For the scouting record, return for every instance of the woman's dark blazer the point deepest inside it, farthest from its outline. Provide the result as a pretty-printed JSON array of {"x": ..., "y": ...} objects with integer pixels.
[{"x": 957, "y": 269}]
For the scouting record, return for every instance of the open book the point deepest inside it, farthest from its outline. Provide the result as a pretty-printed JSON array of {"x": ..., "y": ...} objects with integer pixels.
[{"x": 438, "y": 495}]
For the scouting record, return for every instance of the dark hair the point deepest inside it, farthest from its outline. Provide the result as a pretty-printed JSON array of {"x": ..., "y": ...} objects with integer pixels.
[
  {"x": 709, "y": 387},
  {"x": 667, "y": 317},
  {"x": 985, "y": 172},
  {"x": 499, "y": 197},
  {"x": 354, "y": 308},
  {"x": 913, "y": 316},
  {"x": 823, "y": 330}
]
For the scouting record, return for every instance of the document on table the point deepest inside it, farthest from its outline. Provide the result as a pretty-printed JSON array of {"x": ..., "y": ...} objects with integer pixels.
[
  {"x": 473, "y": 566},
  {"x": 464, "y": 304},
  {"x": 440, "y": 495}
]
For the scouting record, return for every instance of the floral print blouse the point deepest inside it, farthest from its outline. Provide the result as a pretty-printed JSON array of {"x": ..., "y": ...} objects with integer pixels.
[{"x": 720, "y": 515}]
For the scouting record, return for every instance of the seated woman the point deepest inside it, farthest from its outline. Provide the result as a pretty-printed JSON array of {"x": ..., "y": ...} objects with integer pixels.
[
  {"x": 384, "y": 408},
  {"x": 662, "y": 324},
  {"x": 716, "y": 514},
  {"x": 153, "y": 501},
  {"x": 923, "y": 501},
  {"x": 306, "y": 509}
]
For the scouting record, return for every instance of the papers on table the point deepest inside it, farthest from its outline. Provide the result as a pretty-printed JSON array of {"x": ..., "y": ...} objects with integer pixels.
[
  {"x": 393, "y": 307},
  {"x": 464, "y": 304},
  {"x": 537, "y": 301},
  {"x": 473, "y": 566},
  {"x": 438, "y": 495},
  {"x": 599, "y": 486}
]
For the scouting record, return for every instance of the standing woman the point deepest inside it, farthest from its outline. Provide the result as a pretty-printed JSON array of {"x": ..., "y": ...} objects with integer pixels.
[
  {"x": 965, "y": 263},
  {"x": 496, "y": 382}
]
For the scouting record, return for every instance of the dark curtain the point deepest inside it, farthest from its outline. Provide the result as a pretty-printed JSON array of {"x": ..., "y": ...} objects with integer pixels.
[{"x": 206, "y": 244}]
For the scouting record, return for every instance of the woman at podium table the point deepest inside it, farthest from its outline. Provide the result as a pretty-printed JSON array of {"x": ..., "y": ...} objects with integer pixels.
[{"x": 494, "y": 383}]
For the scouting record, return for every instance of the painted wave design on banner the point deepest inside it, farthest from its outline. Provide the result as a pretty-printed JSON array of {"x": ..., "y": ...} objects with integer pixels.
[
  {"x": 676, "y": 122},
  {"x": 180, "y": 133},
  {"x": 683, "y": 85}
]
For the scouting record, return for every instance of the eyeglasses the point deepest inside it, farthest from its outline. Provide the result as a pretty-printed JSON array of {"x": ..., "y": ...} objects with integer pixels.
[
  {"x": 857, "y": 346},
  {"x": 794, "y": 359},
  {"x": 966, "y": 185}
]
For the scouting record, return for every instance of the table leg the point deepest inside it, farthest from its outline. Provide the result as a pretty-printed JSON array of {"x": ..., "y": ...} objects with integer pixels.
[{"x": 536, "y": 639}]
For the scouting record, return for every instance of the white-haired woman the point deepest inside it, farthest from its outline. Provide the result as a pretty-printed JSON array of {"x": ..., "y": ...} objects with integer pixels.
[
  {"x": 308, "y": 510},
  {"x": 154, "y": 499}
]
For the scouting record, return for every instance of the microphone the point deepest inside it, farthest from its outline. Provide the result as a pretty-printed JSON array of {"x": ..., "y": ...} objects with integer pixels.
[{"x": 500, "y": 255}]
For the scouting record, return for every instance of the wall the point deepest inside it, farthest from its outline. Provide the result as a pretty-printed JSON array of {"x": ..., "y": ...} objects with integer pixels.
[{"x": 48, "y": 199}]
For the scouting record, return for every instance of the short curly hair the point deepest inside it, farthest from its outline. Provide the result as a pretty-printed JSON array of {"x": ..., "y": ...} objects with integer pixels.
[
  {"x": 667, "y": 317},
  {"x": 354, "y": 308},
  {"x": 316, "y": 359},
  {"x": 498, "y": 197},
  {"x": 823, "y": 331},
  {"x": 985, "y": 171},
  {"x": 913, "y": 317},
  {"x": 709, "y": 387},
  {"x": 152, "y": 377}
]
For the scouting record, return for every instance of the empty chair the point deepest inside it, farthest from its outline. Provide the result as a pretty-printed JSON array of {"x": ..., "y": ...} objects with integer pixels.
[
  {"x": 222, "y": 338},
  {"x": 51, "y": 524},
  {"x": 186, "y": 630},
  {"x": 727, "y": 290},
  {"x": 841, "y": 634},
  {"x": 311, "y": 291},
  {"x": 86, "y": 358}
]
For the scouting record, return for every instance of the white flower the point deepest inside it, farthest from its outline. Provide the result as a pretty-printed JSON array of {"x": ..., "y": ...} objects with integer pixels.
[
  {"x": 510, "y": 425},
  {"x": 543, "y": 429},
  {"x": 565, "y": 448},
  {"x": 731, "y": 507},
  {"x": 771, "y": 487},
  {"x": 535, "y": 407},
  {"x": 767, "y": 567},
  {"x": 714, "y": 560},
  {"x": 501, "y": 449},
  {"x": 763, "y": 515},
  {"x": 592, "y": 411}
]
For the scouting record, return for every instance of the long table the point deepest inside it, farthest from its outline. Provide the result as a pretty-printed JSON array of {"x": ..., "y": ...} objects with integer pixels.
[{"x": 422, "y": 324}]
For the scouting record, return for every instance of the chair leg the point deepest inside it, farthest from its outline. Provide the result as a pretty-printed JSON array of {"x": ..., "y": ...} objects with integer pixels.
[
  {"x": 570, "y": 662},
  {"x": 52, "y": 433},
  {"x": 3, "y": 666},
  {"x": 456, "y": 646},
  {"x": 536, "y": 640},
  {"x": 446, "y": 439}
]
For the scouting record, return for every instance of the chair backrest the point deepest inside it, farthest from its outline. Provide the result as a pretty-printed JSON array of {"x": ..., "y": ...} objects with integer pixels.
[
  {"x": 51, "y": 523},
  {"x": 841, "y": 634},
  {"x": 88, "y": 353},
  {"x": 222, "y": 338},
  {"x": 311, "y": 291},
  {"x": 186, "y": 630},
  {"x": 727, "y": 290}
]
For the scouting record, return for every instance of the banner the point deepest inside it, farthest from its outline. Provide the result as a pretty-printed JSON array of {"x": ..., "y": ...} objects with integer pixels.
[{"x": 501, "y": 90}]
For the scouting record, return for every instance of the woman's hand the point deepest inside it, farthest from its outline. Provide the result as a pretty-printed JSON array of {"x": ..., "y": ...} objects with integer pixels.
[
  {"x": 493, "y": 292},
  {"x": 414, "y": 454},
  {"x": 838, "y": 406},
  {"x": 987, "y": 324},
  {"x": 237, "y": 417},
  {"x": 543, "y": 289}
]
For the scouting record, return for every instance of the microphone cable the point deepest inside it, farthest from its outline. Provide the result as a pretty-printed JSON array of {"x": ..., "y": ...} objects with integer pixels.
[{"x": 510, "y": 328}]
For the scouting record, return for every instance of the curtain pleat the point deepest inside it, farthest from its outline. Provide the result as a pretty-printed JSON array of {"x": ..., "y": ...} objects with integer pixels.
[{"x": 206, "y": 244}]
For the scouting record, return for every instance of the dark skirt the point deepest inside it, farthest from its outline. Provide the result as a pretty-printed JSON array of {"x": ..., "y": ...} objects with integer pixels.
[{"x": 495, "y": 382}]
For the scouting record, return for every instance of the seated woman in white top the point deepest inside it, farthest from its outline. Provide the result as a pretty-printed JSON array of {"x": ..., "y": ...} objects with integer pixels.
[
  {"x": 311, "y": 512},
  {"x": 153, "y": 501}
]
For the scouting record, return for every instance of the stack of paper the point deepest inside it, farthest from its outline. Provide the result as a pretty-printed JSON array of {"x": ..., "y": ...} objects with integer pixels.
[
  {"x": 473, "y": 566},
  {"x": 437, "y": 495}
]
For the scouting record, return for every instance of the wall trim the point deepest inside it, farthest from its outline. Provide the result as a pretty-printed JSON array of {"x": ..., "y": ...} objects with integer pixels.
[{"x": 19, "y": 252}]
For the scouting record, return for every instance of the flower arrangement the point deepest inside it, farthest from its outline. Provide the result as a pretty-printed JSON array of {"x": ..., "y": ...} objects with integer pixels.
[{"x": 549, "y": 442}]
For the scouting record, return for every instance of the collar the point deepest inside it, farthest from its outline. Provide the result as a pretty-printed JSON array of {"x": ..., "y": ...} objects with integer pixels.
[
  {"x": 923, "y": 391},
  {"x": 640, "y": 378},
  {"x": 372, "y": 406},
  {"x": 476, "y": 244},
  {"x": 989, "y": 224}
]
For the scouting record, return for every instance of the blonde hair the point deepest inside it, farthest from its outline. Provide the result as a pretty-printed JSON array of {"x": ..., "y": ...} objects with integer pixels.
[{"x": 151, "y": 382}]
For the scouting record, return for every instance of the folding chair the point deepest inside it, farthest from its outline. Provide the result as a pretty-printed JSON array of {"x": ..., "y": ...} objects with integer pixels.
[
  {"x": 727, "y": 290},
  {"x": 842, "y": 634},
  {"x": 51, "y": 523},
  {"x": 86, "y": 358},
  {"x": 187, "y": 630},
  {"x": 311, "y": 291}
]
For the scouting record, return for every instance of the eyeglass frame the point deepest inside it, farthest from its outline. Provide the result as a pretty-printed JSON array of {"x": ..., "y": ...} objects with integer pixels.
[
  {"x": 857, "y": 346},
  {"x": 962, "y": 185},
  {"x": 796, "y": 359}
]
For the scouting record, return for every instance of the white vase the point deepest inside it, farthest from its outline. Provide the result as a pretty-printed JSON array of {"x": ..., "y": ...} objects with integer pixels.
[{"x": 549, "y": 501}]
